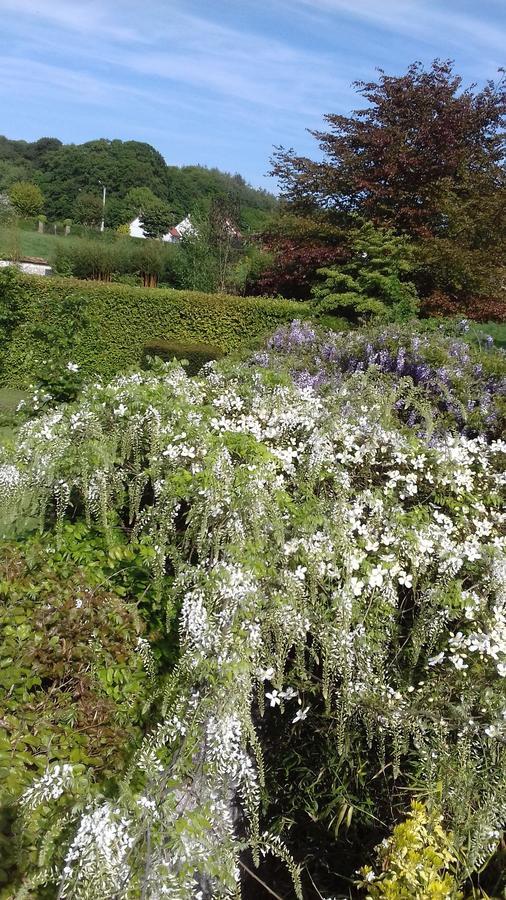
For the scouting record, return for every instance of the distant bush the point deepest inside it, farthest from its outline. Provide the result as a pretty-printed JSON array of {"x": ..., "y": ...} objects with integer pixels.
[
  {"x": 195, "y": 354},
  {"x": 113, "y": 323}
]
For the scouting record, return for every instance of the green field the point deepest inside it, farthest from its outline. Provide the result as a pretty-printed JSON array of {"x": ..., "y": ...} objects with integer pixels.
[{"x": 16, "y": 243}]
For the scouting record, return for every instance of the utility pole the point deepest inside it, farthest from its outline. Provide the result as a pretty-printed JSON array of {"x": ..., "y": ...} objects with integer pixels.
[{"x": 102, "y": 224}]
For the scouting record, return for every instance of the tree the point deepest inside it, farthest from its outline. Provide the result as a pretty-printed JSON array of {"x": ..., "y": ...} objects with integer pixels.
[
  {"x": 88, "y": 209},
  {"x": 137, "y": 199},
  {"x": 27, "y": 198},
  {"x": 395, "y": 160},
  {"x": 224, "y": 218},
  {"x": 156, "y": 219},
  {"x": 197, "y": 265},
  {"x": 372, "y": 283},
  {"x": 425, "y": 157}
]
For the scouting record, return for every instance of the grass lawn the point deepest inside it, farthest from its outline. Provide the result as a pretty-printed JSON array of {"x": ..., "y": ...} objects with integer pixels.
[
  {"x": 494, "y": 329},
  {"x": 15, "y": 242}
]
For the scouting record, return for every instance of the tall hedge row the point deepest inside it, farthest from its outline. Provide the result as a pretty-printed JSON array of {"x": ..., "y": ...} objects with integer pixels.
[{"x": 111, "y": 324}]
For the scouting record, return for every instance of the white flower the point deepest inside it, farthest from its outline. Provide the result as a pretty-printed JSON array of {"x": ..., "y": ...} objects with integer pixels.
[
  {"x": 274, "y": 698},
  {"x": 120, "y": 410},
  {"x": 435, "y": 660},
  {"x": 72, "y": 367},
  {"x": 300, "y": 715},
  {"x": 405, "y": 578},
  {"x": 265, "y": 674},
  {"x": 376, "y": 577},
  {"x": 493, "y": 731},
  {"x": 357, "y": 586},
  {"x": 288, "y": 694}
]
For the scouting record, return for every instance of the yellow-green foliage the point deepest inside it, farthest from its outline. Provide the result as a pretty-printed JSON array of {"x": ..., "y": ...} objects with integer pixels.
[
  {"x": 415, "y": 862},
  {"x": 118, "y": 321}
]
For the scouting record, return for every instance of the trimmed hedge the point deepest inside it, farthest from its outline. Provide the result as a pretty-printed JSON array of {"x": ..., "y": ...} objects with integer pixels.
[{"x": 113, "y": 323}]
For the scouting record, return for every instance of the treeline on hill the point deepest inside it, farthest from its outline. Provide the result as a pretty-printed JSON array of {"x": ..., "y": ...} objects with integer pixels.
[
  {"x": 423, "y": 161},
  {"x": 69, "y": 177}
]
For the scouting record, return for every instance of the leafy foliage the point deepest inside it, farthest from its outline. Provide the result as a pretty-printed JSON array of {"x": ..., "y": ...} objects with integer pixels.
[
  {"x": 425, "y": 158},
  {"x": 87, "y": 208},
  {"x": 195, "y": 355},
  {"x": 26, "y": 198},
  {"x": 66, "y": 172},
  {"x": 156, "y": 219},
  {"x": 299, "y": 246},
  {"x": 73, "y": 683},
  {"x": 414, "y": 862}
]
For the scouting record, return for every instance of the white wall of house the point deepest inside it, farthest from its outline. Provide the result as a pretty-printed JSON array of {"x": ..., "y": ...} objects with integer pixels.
[
  {"x": 184, "y": 227},
  {"x": 136, "y": 229}
]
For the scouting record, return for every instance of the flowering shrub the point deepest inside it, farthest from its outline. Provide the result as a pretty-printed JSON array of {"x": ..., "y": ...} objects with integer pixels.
[
  {"x": 320, "y": 552},
  {"x": 458, "y": 385}
]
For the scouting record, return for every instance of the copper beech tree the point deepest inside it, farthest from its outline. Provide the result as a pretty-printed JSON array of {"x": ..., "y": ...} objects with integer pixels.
[{"x": 425, "y": 157}]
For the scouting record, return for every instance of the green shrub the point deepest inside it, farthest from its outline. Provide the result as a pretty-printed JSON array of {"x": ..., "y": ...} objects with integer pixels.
[
  {"x": 73, "y": 685},
  {"x": 195, "y": 354},
  {"x": 116, "y": 323}
]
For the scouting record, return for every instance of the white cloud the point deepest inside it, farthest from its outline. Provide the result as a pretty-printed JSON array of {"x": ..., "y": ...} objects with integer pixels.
[{"x": 421, "y": 20}]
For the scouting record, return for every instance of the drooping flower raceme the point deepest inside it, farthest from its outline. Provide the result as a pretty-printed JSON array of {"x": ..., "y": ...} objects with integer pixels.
[{"x": 285, "y": 518}]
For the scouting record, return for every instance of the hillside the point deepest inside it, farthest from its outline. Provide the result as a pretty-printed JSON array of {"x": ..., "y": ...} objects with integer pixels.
[{"x": 63, "y": 171}]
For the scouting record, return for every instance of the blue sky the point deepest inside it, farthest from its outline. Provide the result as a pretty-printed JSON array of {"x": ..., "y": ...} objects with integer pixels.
[{"x": 220, "y": 82}]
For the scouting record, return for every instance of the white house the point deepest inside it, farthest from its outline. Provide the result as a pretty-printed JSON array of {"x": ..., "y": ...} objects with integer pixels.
[{"x": 173, "y": 235}]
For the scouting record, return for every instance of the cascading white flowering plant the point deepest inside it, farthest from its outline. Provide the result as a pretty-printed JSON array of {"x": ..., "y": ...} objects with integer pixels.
[{"x": 307, "y": 539}]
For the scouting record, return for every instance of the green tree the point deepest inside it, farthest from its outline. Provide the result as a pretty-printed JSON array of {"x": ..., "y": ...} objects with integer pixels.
[
  {"x": 88, "y": 209},
  {"x": 373, "y": 282},
  {"x": 26, "y": 198},
  {"x": 137, "y": 199},
  {"x": 156, "y": 219}
]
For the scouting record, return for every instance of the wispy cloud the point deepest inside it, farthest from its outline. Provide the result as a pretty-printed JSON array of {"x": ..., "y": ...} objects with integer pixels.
[
  {"x": 86, "y": 18},
  {"x": 427, "y": 20},
  {"x": 222, "y": 80}
]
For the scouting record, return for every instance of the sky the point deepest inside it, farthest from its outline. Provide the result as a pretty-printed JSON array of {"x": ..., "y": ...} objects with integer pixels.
[{"x": 220, "y": 83}]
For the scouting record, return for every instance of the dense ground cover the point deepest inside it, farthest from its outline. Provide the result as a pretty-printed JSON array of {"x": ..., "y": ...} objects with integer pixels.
[{"x": 336, "y": 572}]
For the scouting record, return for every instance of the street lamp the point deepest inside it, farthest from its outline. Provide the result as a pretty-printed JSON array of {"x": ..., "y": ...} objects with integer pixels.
[{"x": 104, "y": 189}]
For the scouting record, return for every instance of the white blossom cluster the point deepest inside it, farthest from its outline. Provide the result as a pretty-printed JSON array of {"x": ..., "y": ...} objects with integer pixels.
[{"x": 306, "y": 518}]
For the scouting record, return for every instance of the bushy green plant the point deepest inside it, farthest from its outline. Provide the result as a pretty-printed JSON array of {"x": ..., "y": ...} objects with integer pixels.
[
  {"x": 196, "y": 355},
  {"x": 372, "y": 284},
  {"x": 74, "y": 686},
  {"x": 26, "y": 197}
]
